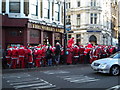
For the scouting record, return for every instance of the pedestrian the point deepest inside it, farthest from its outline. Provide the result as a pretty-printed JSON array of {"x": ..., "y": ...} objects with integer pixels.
[
  {"x": 57, "y": 53},
  {"x": 49, "y": 56}
]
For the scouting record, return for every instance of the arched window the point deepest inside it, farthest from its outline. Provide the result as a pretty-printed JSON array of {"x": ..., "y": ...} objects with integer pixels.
[{"x": 92, "y": 38}]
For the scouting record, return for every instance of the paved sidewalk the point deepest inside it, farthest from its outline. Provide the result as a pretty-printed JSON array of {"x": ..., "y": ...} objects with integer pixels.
[{"x": 42, "y": 68}]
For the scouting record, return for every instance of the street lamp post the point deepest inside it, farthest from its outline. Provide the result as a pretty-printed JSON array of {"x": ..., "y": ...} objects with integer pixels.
[{"x": 65, "y": 34}]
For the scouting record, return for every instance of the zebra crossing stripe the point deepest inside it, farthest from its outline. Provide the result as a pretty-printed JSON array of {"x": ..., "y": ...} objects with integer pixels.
[
  {"x": 117, "y": 87},
  {"x": 78, "y": 78},
  {"x": 48, "y": 86},
  {"x": 30, "y": 85},
  {"x": 25, "y": 82}
]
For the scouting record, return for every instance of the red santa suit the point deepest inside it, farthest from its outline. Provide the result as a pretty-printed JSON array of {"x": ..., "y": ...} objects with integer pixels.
[
  {"x": 86, "y": 53},
  {"x": 21, "y": 53},
  {"x": 14, "y": 57},
  {"x": 43, "y": 55},
  {"x": 81, "y": 53},
  {"x": 38, "y": 57},
  {"x": 75, "y": 54},
  {"x": 69, "y": 55},
  {"x": 30, "y": 56},
  {"x": 8, "y": 56},
  {"x": 70, "y": 42}
]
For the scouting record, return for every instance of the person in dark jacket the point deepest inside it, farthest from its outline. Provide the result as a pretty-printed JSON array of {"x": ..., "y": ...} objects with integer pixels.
[{"x": 49, "y": 56}]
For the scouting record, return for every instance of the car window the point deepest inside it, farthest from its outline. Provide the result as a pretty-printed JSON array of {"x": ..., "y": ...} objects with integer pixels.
[{"x": 117, "y": 55}]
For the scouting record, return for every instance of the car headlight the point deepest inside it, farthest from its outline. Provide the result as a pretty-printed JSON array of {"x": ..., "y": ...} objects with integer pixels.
[{"x": 104, "y": 65}]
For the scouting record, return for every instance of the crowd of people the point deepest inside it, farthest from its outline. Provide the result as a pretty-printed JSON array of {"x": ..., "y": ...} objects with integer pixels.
[{"x": 47, "y": 55}]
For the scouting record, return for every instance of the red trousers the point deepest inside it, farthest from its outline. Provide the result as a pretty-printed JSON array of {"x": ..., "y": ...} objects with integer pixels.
[
  {"x": 14, "y": 63},
  {"x": 37, "y": 62},
  {"x": 21, "y": 62}
]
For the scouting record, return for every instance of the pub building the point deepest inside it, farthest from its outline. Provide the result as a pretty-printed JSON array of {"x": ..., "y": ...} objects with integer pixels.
[
  {"x": 25, "y": 22},
  {"x": 29, "y": 32}
]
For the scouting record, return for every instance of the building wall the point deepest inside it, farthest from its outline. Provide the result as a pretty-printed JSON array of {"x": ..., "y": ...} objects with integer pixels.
[
  {"x": 103, "y": 10},
  {"x": 31, "y": 21}
]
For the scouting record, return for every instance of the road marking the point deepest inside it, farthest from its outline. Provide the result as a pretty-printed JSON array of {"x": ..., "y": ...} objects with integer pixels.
[
  {"x": 25, "y": 82},
  {"x": 49, "y": 86},
  {"x": 55, "y": 72},
  {"x": 117, "y": 87},
  {"x": 30, "y": 85},
  {"x": 28, "y": 82},
  {"x": 78, "y": 78},
  {"x": 22, "y": 80}
]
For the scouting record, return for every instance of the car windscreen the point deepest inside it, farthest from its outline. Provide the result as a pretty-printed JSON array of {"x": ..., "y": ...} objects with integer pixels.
[{"x": 117, "y": 55}]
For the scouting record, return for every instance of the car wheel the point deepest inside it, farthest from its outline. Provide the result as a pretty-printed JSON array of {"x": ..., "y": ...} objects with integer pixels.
[{"x": 115, "y": 70}]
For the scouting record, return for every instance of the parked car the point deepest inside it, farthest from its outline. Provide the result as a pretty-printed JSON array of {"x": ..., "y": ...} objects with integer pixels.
[{"x": 109, "y": 65}]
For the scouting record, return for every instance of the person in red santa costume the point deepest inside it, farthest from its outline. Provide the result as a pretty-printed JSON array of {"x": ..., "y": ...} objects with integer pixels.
[
  {"x": 69, "y": 55},
  {"x": 75, "y": 54},
  {"x": 70, "y": 42},
  {"x": 38, "y": 57},
  {"x": 21, "y": 54},
  {"x": 14, "y": 57},
  {"x": 81, "y": 53},
  {"x": 8, "y": 56},
  {"x": 44, "y": 62},
  {"x": 30, "y": 57},
  {"x": 86, "y": 53}
]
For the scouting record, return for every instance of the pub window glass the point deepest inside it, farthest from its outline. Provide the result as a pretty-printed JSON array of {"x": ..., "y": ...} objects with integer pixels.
[{"x": 14, "y": 7}]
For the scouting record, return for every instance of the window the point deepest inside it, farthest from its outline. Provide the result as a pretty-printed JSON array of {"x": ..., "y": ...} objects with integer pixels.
[
  {"x": 68, "y": 20},
  {"x": 93, "y": 18},
  {"x": 34, "y": 7},
  {"x": 68, "y": 5},
  {"x": 78, "y": 38},
  {"x": 78, "y": 3},
  {"x": 93, "y": 2},
  {"x": 47, "y": 10},
  {"x": 78, "y": 19},
  {"x": 16, "y": 33},
  {"x": 69, "y": 36},
  {"x": 57, "y": 12},
  {"x": 14, "y": 7}
]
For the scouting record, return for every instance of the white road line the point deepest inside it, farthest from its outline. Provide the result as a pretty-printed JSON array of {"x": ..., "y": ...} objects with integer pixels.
[
  {"x": 82, "y": 81},
  {"x": 72, "y": 76},
  {"x": 117, "y": 87},
  {"x": 79, "y": 78},
  {"x": 25, "y": 82},
  {"x": 56, "y": 72},
  {"x": 30, "y": 85},
  {"x": 17, "y": 76},
  {"x": 48, "y": 86}
]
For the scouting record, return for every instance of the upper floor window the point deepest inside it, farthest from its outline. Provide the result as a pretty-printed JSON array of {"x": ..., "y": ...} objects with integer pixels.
[
  {"x": 93, "y": 2},
  {"x": 68, "y": 21},
  {"x": 34, "y": 7},
  {"x": 93, "y": 18},
  {"x": 14, "y": 6},
  {"x": 68, "y": 5},
  {"x": 57, "y": 9},
  {"x": 47, "y": 9},
  {"x": 78, "y": 19},
  {"x": 78, "y": 38},
  {"x": 78, "y": 4}
]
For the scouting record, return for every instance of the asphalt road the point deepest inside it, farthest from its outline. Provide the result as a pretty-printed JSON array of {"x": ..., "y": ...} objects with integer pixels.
[{"x": 58, "y": 77}]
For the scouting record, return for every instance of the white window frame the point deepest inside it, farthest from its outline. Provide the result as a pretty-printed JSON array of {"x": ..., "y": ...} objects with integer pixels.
[{"x": 93, "y": 18}]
